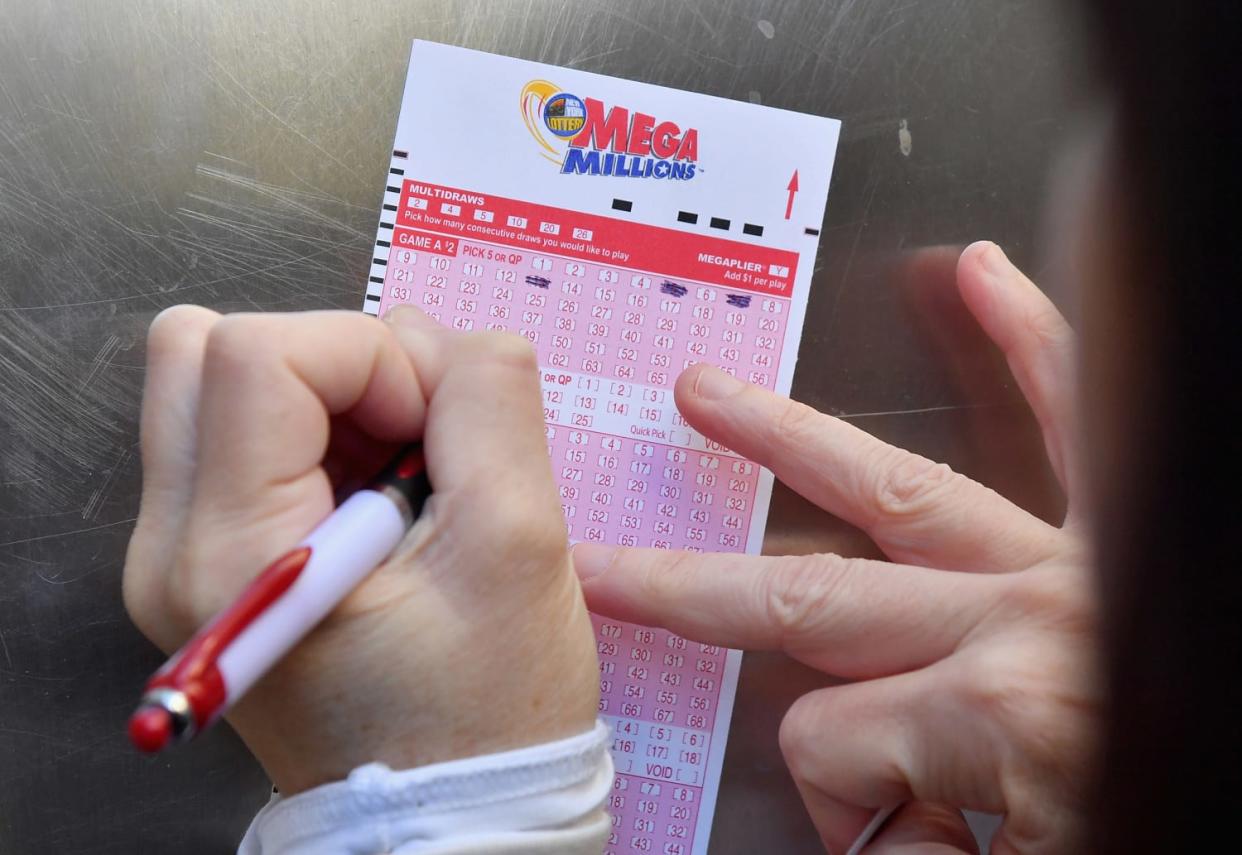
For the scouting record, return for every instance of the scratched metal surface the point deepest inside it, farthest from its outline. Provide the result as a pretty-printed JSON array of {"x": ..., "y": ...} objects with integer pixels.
[{"x": 233, "y": 154}]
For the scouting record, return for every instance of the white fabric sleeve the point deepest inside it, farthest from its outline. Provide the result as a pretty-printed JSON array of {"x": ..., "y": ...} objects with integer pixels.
[{"x": 547, "y": 798}]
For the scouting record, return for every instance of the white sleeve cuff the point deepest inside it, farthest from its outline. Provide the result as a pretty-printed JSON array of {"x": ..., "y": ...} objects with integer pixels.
[{"x": 545, "y": 798}]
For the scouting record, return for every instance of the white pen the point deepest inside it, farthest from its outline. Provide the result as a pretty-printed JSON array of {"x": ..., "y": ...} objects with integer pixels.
[
  {"x": 284, "y": 603},
  {"x": 872, "y": 829}
]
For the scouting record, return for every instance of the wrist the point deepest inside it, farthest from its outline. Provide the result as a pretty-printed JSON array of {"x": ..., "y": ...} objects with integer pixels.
[{"x": 324, "y": 711}]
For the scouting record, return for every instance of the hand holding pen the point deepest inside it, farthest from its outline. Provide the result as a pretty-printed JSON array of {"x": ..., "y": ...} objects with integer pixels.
[
  {"x": 225, "y": 658},
  {"x": 470, "y": 638}
]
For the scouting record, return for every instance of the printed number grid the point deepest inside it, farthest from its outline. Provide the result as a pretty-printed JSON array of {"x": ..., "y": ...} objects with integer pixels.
[{"x": 611, "y": 343}]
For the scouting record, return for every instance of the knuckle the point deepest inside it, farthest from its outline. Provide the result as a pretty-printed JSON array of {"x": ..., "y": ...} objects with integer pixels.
[
  {"x": 799, "y": 593},
  {"x": 1049, "y": 597},
  {"x": 908, "y": 485},
  {"x": 796, "y": 425},
  {"x": 988, "y": 686},
  {"x": 1040, "y": 702},
  {"x": 189, "y": 598},
  {"x": 811, "y": 734},
  {"x": 158, "y": 592},
  {"x": 1005, "y": 696},
  {"x": 797, "y": 731},
  {"x": 137, "y": 581}
]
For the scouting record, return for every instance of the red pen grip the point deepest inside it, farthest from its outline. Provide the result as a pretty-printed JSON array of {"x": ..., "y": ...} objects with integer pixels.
[{"x": 194, "y": 670}]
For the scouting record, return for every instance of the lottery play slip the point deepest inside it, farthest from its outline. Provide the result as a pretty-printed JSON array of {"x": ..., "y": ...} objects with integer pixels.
[{"x": 628, "y": 231}]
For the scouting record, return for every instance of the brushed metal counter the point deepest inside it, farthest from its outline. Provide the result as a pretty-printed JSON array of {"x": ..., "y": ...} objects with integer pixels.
[{"x": 234, "y": 155}]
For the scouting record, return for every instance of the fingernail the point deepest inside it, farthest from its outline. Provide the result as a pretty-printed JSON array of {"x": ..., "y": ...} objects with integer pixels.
[
  {"x": 591, "y": 561},
  {"x": 714, "y": 384},
  {"x": 404, "y": 316},
  {"x": 995, "y": 261}
]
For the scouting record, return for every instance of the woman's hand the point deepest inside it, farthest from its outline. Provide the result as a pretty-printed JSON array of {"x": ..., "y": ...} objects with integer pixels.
[
  {"x": 471, "y": 638},
  {"x": 972, "y": 652}
]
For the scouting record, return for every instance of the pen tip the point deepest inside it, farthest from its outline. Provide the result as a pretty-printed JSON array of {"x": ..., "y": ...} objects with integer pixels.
[{"x": 150, "y": 728}]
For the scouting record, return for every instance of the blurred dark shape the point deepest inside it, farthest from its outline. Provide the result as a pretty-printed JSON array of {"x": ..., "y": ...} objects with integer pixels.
[{"x": 1162, "y": 362}]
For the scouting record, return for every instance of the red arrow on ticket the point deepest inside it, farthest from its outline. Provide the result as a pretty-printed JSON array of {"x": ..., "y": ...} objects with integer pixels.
[{"x": 793, "y": 191}]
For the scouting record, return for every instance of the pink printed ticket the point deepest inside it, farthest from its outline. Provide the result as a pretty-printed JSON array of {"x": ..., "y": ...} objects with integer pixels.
[{"x": 628, "y": 231}]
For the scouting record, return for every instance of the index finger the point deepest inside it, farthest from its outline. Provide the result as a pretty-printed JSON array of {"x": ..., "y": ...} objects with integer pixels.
[
  {"x": 485, "y": 422},
  {"x": 849, "y": 617},
  {"x": 487, "y": 457},
  {"x": 917, "y": 511},
  {"x": 271, "y": 382}
]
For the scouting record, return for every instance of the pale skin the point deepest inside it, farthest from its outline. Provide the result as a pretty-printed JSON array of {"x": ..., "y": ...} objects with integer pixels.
[
  {"x": 971, "y": 653},
  {"x": 472, "y": 638}
]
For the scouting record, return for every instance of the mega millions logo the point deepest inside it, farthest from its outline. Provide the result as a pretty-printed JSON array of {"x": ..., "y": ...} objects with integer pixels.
[{"x": 583, "y": 136}]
